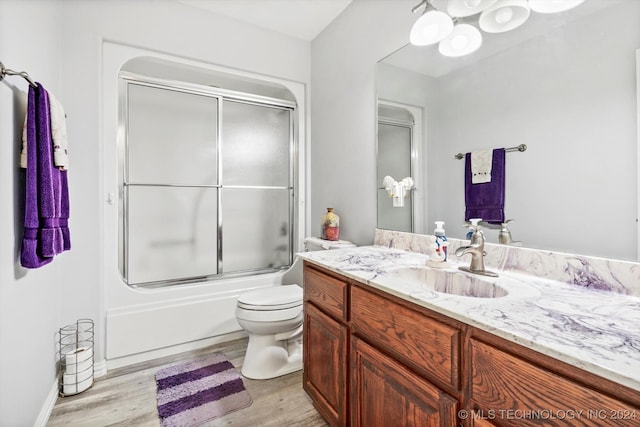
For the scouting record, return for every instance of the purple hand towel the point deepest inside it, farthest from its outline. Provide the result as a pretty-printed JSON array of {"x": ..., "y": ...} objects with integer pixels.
[
  {"x": 486, "y": 200},
  {"x": 46, "y": 231}
]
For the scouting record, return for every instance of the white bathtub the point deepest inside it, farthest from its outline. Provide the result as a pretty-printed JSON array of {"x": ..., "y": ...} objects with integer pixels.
[{"x": 145, "y": 324}]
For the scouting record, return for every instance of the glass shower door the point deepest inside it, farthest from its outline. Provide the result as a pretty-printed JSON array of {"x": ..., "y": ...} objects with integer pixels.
[
  {"x": 207, "y": 183},
  {"x": 171, "y": 185},
  {"x": 257, "y": 186}
]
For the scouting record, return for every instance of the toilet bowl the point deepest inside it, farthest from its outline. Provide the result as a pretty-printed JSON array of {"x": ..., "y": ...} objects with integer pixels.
[{"x": 273, "y": 319}]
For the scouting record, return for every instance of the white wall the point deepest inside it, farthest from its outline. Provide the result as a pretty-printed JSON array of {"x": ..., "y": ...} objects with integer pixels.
[
  {"x": 30, "y": 300},
  {"x": 343, "y": 111},
  {"x": 61, "y": 45}
]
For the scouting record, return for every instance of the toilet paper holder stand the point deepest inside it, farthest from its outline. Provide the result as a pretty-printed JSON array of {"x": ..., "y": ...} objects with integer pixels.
[{"x": 75, "y": 357}]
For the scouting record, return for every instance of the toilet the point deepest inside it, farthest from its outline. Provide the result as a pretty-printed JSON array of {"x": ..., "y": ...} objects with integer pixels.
[{"x": 273, "y": 319}]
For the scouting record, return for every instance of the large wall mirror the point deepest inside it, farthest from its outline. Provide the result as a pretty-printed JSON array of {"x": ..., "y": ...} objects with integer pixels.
[{"x": 563, "y": 84}]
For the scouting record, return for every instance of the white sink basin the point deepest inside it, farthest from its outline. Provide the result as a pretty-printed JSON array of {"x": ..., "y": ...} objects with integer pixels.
[{"x": 450, "y": 282}]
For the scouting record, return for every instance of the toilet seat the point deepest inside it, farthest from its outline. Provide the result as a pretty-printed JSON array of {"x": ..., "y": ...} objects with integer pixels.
[{"x": 271, "y": 299}]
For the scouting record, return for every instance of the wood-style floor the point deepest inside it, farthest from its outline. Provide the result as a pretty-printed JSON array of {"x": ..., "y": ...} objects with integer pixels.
[{"x": 127, "y": 397}]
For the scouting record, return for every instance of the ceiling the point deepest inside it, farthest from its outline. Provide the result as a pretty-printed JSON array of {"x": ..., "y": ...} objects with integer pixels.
[{"x": 302, "y": 19}]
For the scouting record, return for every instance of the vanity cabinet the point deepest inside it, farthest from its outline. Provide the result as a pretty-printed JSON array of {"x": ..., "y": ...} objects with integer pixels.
[
  {"x": 326, "y": 341},
  {"x": 374, "y": 359},
  {"x": 394, "y": 355}
]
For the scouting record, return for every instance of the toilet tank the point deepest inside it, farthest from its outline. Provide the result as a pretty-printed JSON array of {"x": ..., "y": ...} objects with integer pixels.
[{"x": 318, "y": 244}]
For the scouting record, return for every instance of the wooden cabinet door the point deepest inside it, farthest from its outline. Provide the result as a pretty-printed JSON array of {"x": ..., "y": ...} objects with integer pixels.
[
  {"x": 519, "y": 393},
  {"x": 325, "y": 375},
  {"x": 385, "y": 393}
]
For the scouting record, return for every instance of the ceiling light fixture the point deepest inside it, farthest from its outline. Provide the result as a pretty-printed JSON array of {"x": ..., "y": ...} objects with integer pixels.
[
  {"x": 464, "y": 40},
  {"x": 458, "y": 38},
  {"x": 504, "y": 15},
  {"x": 431, "y": 27}
]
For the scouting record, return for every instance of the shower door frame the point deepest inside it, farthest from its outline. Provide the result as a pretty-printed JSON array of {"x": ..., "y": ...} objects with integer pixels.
[{"x": 126, "y": 78}]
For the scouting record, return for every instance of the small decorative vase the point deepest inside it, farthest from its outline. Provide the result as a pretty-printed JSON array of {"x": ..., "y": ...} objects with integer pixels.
[{"x": 330, "y": 225}]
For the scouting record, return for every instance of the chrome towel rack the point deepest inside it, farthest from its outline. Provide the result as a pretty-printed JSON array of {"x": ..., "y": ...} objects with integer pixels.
[
  {"x": 8, "y": 72},
  {"x": 521, "y": 147}
]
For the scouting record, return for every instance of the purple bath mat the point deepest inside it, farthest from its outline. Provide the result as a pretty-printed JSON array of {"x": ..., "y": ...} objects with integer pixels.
[{"x": 200, "y": 390}]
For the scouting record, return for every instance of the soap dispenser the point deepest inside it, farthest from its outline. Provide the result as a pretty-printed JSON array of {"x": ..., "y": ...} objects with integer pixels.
[
  {"x": 473, "y": 227},
  {"x": 438, "y": 258}
]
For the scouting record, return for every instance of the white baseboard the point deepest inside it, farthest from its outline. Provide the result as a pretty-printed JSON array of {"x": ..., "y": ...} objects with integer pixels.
[
  {"x": 100, "y": 368},
  {"x": 47, "y": 407}
]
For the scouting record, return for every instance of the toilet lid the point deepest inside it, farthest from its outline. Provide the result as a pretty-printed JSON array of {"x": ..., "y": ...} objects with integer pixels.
[{"x": 275, "y": 298}]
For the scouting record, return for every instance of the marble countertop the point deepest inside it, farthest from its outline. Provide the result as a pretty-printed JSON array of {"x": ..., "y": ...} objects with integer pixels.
[{"x": 598, "y": 331}]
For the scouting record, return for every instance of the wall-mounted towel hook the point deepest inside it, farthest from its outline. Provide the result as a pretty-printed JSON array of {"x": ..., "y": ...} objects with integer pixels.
[{"x": 8, "y": 72}]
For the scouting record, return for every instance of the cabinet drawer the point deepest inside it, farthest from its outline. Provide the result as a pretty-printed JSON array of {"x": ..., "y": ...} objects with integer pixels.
[
  {"x": 517, "y": 392},
  {"x": 428, "y": 346},
  {"x": 326, "y": 292}
]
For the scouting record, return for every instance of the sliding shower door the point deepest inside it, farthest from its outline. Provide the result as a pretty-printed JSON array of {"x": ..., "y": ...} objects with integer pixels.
[
  {"x": 207, "y": 183},
  {"x": 257, "y": 191}
]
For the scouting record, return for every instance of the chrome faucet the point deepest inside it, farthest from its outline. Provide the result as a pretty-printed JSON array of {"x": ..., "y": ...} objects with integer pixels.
[{"x": 476, "y": 250}]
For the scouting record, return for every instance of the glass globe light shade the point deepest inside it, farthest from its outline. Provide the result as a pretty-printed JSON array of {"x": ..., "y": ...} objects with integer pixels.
[
  {"x": 430, "y": 28},
  {"x": 463, "y": 40},
  {"x": 504, "y": 15}
]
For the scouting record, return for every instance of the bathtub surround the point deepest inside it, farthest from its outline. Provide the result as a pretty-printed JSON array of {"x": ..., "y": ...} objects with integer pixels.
[{"x": 548, "y": 307}]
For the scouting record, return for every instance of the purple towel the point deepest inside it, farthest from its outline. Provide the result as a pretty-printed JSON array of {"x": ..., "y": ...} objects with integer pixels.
[
  {"x": 485, "y": 200},
  {"x": 46, "y": 232}
]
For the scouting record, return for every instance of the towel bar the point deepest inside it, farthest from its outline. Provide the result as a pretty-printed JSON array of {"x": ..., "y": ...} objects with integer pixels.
[
  {"x": 8, "y": 72},
  {"x": 521, "y": 147}
]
